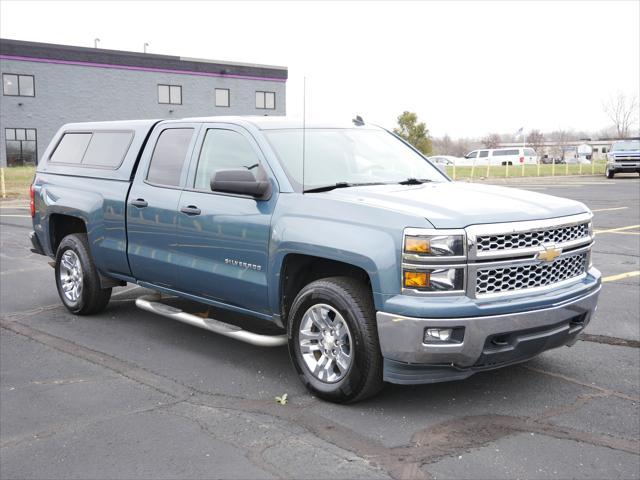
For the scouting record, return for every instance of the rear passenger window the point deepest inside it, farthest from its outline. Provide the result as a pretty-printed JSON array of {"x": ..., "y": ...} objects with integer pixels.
[
  {"x": 71, "y": 148},
  {"x": 169, "y": 156},
  {"x": 223, "y": 150},
  {"x": 107, "y": 149}
]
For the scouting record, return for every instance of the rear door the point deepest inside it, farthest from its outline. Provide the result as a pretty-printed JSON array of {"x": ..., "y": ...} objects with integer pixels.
[
  {"x": 223, "y": 239},
  {"x": 152, "y": 205}
]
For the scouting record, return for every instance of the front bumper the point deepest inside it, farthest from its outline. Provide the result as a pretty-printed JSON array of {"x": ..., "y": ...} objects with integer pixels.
[
  {"x": 489, "y": 342},
  {"x": 624, "y": 166}
]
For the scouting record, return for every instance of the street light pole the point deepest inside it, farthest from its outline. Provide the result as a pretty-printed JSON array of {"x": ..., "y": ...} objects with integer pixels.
[
  {"x": 145, "y": 47},
  {"x": 95, "y": 42}
]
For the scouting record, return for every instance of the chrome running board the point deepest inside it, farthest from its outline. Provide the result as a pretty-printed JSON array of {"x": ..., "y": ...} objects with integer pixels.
[{"x": 151, "y": 304}]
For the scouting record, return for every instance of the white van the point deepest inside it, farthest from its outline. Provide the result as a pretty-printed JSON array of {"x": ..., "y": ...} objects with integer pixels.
[{"x": 502, "y": 156}]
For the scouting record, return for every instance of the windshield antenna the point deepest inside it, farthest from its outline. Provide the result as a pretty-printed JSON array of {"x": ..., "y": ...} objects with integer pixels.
[{"x": 304, "y": 124}]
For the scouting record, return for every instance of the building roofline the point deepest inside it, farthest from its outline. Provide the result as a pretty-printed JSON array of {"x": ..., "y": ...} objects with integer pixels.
[{"x": 72, "y": 55}]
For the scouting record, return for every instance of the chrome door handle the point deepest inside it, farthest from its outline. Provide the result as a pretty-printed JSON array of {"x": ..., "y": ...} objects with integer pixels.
[
  {"x": 191, "y": 210},
  {"x": 140, "y": 203}
]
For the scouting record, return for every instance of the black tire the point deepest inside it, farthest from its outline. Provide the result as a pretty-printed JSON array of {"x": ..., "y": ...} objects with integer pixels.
[
  {"x": 91, "y": 298},
  {"x": 609, "y": 173},
  {"x": 352, "y": 299}
]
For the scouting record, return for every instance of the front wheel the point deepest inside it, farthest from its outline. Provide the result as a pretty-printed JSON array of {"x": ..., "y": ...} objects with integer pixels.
[
  {"x": 609, "y": 173},
  {"x": 77, "y": 279},
  {"x": 333, "y": 340}
]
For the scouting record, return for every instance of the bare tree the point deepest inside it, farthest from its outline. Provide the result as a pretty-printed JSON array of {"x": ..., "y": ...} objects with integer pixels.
[
  {"x": 461, "y": 147},
  {"x": 536, "y": 140},
  {"x": 443, "y": 145},
  {"x": 491, "y": 141},
  {"x": 562, "y": 138},
  {"x": 623, "y": 112}
]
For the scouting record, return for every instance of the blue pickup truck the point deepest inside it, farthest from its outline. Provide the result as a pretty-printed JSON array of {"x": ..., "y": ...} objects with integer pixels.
[{"x": 344, "y": 240}]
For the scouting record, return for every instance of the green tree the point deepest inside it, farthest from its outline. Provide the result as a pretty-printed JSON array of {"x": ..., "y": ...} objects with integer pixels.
[{"x": 413, "y": 132}]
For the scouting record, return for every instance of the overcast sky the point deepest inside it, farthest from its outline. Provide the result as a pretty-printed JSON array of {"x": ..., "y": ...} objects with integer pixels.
[{"x": 466, "y": 68}]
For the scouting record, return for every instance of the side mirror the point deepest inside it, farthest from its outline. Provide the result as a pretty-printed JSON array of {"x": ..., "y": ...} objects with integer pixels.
[{"x": 241, "y": 182}]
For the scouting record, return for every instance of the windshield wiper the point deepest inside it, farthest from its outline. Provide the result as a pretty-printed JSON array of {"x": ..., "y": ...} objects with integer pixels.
[
  {"x": 326, "y": 188},
  {"x": 415, "y": 181}
]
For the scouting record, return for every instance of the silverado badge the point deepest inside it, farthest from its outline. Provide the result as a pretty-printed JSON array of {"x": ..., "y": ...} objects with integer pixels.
[{"x": 549, "y": 254}]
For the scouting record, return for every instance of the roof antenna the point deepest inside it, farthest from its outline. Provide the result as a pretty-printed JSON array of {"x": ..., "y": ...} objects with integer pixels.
[
  {"x": 358, "y": 121},
  {"x": 304, "y": 125}
]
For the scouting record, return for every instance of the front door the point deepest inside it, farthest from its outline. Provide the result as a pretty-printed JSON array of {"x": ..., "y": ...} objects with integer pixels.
[
  {"x": 223, "y": 239},
  {"x": 152, "y": 205}
]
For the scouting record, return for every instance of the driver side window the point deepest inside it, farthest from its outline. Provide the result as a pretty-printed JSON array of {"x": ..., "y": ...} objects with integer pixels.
[{"x": 223, "y": 150}]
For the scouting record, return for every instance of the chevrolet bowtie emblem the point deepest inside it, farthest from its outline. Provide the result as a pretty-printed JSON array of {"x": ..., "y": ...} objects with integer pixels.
[{"x": 549, "y": 254}]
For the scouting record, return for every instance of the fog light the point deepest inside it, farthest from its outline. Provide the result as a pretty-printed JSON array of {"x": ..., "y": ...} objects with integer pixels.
[{"x": 437, "y": 335}]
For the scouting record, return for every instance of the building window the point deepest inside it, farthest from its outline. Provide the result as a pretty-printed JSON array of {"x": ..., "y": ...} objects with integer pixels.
[
  {"x": 266, "y": 100},
  {"x": 170, "y": 94},
  {"x": 18, "y": 85},
  {"x": 22, "y": 146},
  {"x": 222, "y": 97}
]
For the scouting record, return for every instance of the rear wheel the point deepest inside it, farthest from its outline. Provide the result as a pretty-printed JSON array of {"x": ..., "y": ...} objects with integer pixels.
[
  {"x": 77, "y": 279},
  {"x": 333, "y": 340}
]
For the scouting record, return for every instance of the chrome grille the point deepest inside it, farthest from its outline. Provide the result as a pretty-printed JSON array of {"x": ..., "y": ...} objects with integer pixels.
[
  {"x": 515, "y": 277},
  {"x": 490, "y": 243}
]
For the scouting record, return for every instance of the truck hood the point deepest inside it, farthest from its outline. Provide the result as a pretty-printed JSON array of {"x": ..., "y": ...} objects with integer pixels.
[{"x": 458, "y": 205}]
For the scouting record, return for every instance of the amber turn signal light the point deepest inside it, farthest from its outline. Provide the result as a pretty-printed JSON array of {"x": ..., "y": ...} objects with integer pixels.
[{"x": 416, "y": 279}]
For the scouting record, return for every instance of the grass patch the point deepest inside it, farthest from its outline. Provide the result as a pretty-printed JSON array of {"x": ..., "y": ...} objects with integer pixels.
[
  {"x": 17, "y": 181},
  {"x": 500, "y": 171}
]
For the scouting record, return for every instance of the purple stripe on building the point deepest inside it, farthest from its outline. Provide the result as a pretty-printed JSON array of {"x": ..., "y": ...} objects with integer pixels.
[{"x": 142, "y": 69}]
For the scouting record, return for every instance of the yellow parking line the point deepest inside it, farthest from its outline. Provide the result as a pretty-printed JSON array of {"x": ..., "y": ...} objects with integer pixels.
[
  {"x": 613, "y": 278},
  {"x": 609, "y": 209},
  {"x": 616, "y": 230}
]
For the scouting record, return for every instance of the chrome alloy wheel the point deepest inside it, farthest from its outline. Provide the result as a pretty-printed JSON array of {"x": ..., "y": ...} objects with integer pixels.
[
  {"x": 325, "y": 343},
  {"x": 71, "y": 276}
]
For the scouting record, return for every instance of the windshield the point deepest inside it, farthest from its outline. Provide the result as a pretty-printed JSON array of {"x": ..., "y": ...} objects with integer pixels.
[
  {"x": 625, "y": 146},
  {"x": 348, "y": 155}
]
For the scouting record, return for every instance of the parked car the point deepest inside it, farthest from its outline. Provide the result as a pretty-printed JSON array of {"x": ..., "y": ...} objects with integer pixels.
[
  {"x": 548, "y": 160},
  {"x": 503, "y": 156},
  {"x": 444, "y": 160},
  {"x": 370, "y": 264},
  {"x": 623, "y": 156}
]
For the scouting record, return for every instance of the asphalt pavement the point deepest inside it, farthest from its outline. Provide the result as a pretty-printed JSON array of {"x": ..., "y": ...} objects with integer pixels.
[{"x": 127, "y": 394}]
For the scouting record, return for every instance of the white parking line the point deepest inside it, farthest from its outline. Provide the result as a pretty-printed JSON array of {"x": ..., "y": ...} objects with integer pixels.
[
  {"x": 617, "y": 230},
  {"x": 9, "y": 215},
  {"x": 609, "y": 209}
]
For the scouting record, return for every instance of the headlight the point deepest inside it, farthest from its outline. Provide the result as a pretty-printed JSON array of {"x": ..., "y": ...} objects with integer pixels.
[
  {"x": 433, "y": 279},
  {"x": 434, "y": 245},
  {"x": 433, "y": 261}
]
